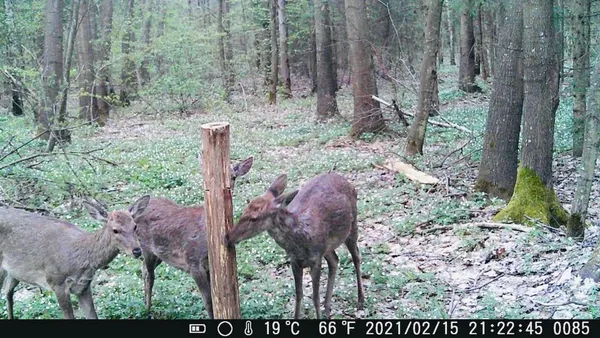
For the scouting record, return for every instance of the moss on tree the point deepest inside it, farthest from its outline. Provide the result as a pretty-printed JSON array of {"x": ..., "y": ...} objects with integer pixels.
[{"x": 532, "y": 200}]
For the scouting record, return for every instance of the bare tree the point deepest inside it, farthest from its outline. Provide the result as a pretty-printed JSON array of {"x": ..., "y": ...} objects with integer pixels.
[
  {"x": 103, "y": 61},
  {"x": 326, "y": 78},
  {"x": 273, "y": 81},
  {"x": 284, "y": 65},
  {"x": 534, "y": 196},
  {"x": 367, "y": 112},
  {"x": 451, "y": 35},
  {"x": 428, "y": 79},
  {"x": 581, "y": 72},
  {"x": 498, "y": 167},
  {"x": 225, "y": 48},
  {"x": 466, "y": 72},
  {"x": 87, "y": 108}
]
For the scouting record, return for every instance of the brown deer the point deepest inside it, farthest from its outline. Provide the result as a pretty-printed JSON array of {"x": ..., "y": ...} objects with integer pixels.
[
  {"x": 176, "y": 235},
  {"x": 309, "y": 225},
  {"x": 62, "y": 257}
]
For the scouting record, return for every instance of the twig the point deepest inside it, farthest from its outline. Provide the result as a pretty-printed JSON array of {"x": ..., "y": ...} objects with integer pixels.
[
  {"x": 474, "y": 288},
  {"x": 483, "y": 225},
  {"x": 570, "y": 301},
  {"x": 22, "y": 145}
]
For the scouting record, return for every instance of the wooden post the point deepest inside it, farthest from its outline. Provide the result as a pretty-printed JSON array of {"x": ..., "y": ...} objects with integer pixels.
[{"x": 219, "y": 219}]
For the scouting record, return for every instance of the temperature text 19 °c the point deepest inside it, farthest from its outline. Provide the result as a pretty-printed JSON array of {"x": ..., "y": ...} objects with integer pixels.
[{"x": 275, "y": 328}]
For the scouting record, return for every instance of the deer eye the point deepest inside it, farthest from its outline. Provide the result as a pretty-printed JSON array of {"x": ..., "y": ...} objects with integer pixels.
[{"x": 115, "y": 231}]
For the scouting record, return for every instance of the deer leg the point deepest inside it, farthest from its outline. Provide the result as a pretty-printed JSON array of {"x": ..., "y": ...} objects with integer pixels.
[
  {"x": 202, "y": 280},
  {"x": 297, "y": 272},
  {"x": 64, "y": 301},
  {"x": 352, "y": 245},
  {"x": 86, "y": 302},
  {"x": 148, "y": 267},
  {"x": 315, "y": 274},
  {"x": 11, "y": 284},
  {"x": 332, "y": 263}
]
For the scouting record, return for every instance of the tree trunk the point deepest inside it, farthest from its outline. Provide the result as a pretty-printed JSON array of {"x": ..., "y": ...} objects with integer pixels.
[
  {"x": 534, "y": 196},
  {"x": 274, "y": 59},
  {"x": 576, "y": 224},
  {"x": 147, "y": 9},
  {"x": 477, "y": 44},
  {"x": 466, "y": 72},
  {"x": 283, "y": 50},
  {"x": 103, "y": 61},
  {"x": 489, "y": 40},
  {"x": 312, "y": 58},
  {"x": 498, "y": 168},
  {"x": 342, "y": 45},
  {"x": 12, "y": 53},
  {"x": 581, "y": 72},
  {"x": 428, "y": 79},
  {"x": 451, "y": 36},
  {"x": 367, "y": 113},
  {"x": 225, "y": 49},
  {"x": 85, "y": 55},
  {"x": 326, "y": 78},
  {"x": 52, "y": 72},
  {"x": 128, "y": 68},
  {"x": 483, "y": 56}
]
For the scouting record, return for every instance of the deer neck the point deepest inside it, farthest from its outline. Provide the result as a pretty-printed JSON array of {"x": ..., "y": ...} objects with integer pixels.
[
  {"x": 289, "y": 232},
  {"x": 98, "y": 249}
]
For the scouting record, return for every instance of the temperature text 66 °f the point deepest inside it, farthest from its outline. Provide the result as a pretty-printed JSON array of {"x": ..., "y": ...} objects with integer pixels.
[
  {"x": 416, "y": 328},
  {"x": 331, "y": 328}
]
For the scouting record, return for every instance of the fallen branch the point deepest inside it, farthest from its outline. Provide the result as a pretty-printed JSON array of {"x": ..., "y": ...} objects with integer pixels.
[
  {"x": 474, "y": 288},
  {"x": 483, "y": 225},
  {"x": 448, "y": 124},
  {"x": 570, "y": 301}
]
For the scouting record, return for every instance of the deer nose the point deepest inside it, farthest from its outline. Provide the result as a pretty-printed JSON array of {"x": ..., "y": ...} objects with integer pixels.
[{"x": 137, "y": 252}]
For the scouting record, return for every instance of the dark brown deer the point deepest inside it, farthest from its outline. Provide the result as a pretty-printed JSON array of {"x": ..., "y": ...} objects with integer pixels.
[
  {"x": 61, "y": 257},
  {"x": 309, "y": 225},
  {"x": 176, "y": 235}
]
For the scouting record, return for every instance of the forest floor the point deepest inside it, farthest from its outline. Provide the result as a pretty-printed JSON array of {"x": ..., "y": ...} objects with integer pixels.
[{"x": 425, "y": 253}]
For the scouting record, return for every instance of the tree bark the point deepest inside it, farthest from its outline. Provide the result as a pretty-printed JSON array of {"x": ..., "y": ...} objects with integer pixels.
[
  {"x": 534, "y": 196},
  {"x": 428, "y": 79},
  {"x": 273, "y": 81},
  {"x": 326, "y": 78},
  {"x": 52, "y": 72},
  {"x": 498, "y": 167},
  {"x": 483, "y": 56},
  {"x": 451, "y": 36},
  {"x": 466, "y": 72},
  {"x": 85, "y": 54},
  {"x": 128, "y": 69},
  {"x": 284, "y": 65},
  {"x": 591, "y": 144},
  {"x": 103, "y": 61},
  {"x": 225, "y": 49},
  {"x": 147, "y": 9},
  {"x": 312, "y": 57},
  {"x": 367, "y": 112},
  {"x": 581, "y": 72}
]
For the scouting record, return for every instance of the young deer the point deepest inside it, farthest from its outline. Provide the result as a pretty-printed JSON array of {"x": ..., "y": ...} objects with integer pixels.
[
  {"x": 60, "y": 256},
  {"x": 177, "y": 235},
  {"x": 308, "y": 224}
]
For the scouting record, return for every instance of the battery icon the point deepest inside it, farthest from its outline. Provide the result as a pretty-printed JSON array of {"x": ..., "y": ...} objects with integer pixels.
[{"x": 197, "y": 328}]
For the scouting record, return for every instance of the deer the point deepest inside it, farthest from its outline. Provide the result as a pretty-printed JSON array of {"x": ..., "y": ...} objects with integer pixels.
[
  {"x": 309, "y": 224},
  {"x": 59, "y": 256},
  {"x": 176, "y": 235}
]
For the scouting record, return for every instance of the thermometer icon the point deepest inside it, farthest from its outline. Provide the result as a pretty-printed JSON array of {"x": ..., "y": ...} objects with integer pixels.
[{"x": 248, "y": 329}]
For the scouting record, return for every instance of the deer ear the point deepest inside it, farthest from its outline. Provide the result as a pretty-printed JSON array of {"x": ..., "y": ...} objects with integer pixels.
[
  {"x": 242, "y": 168},
  {"x": 138, "y": 208},
  {"x": 96, "y": 210},
  {"x": 283, "y": 200},
  {"x": 278, "y": 186}
]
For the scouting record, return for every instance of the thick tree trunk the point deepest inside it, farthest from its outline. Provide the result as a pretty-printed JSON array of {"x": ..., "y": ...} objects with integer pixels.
[
  {"x": 85, "y": 55},
  {"x": 52, "y": 72},
  {"x": 147, "y": 9},
  {"x": 128, "y": 73},
  {"x": 451, "y": 36},
  {"x": 284, "y": 65},
  {"x": 341, "y": 68},
  {"x": 428, "y": 79},
  {"x": 273, "y": 81},
  {"x": 591, "y": 144},
  {"x": 466, "y": 72},
  {"x": 489, "y": 40},
  {"x": 498, "y": 168},
  {"x": 581, "y": 72},
  {"x": 367, "y": 113},
  {"x": 326, "y": 78},
  {"x": 534, "y": 196},
  {"x": 103, "y": 61}
]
